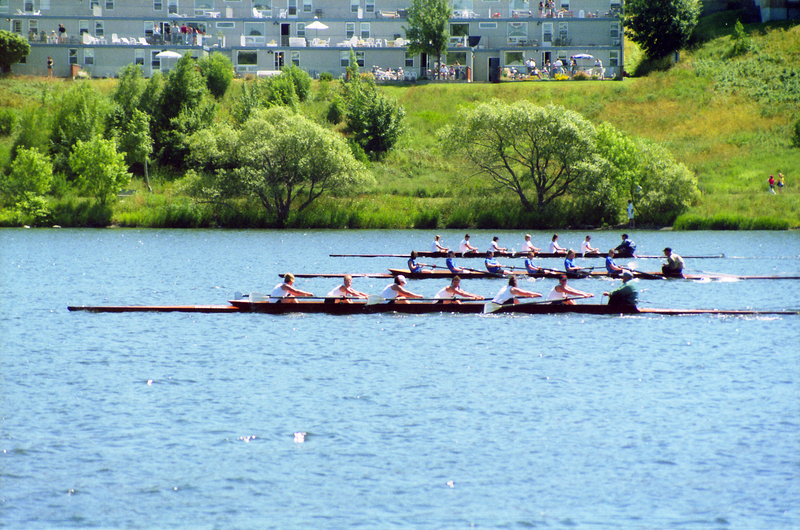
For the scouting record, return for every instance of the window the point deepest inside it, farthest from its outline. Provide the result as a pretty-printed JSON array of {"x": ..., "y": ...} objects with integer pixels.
[
  {"x": 88, "y": 56},
  {"x": 33, "y": 27},
  {"x": 614, "y": 33},
  {"x": 514, "y": 59},
  {"x": 28, "y": 6},
  {"x": 148, "y": 28},
  {"x": 349, "y": 29},
  {"x": 487, "y": 25},
  {"x": 456, "y": 57},
  {"x": 301, "y": 29},
  {"x": 409, "y": 60},
  {"x": 360, "y": 59},
  {"x": 3, "y": 6},
  {"x": 246, "y": 58},
  {"x": 138, "y": 57},
  {"x": 369, "y": 6},
  {"x": 563, "y": 34},
  {"x": 296, "y": 59},
  {"x": 99, "y": 29},
  {"x": 292, "y": 8},
  {"x": 226, "y": 25},
  {"x": 459, "y": 6},
  {"x": 202, "y": 7},
  {"x": 73, "y": 56},
  {"x": 365, "y": 30},
  {"x": 459, "y": 30},
  {"x": 109, "y": 4},
  {"x": 264, "y": 7},
  {"x": 517, "y": 33},
  {"x": 83, "y": 27},
  {"x": 565, "y": 5},
  {"x": 158, "y": 5},
  {"x": 172, "y": 7},
  {"x": 354, "y": 5},
  {"x": 308, "y": 6},
  {"x": 613, "y": 58},
  {"x": 344, "y": 59},
  {"x": 547, "y": 33},
  {"x": 16, "y": 26},
  {"x": 254, "y": 33},
  {"x": 155, "y": 61},
  {"x": 94, "y": 3}
]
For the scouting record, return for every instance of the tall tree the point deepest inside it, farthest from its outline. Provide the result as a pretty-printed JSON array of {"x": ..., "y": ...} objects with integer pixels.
[
  {"x": 660, "y": 27},
  {"x": 374, "y": 121},
  {"x": 527, "y": 149},
  {"x": 101, "y": 170},
  {"x": 13, "y": 48},
  {"x": 429, "y": 28}
]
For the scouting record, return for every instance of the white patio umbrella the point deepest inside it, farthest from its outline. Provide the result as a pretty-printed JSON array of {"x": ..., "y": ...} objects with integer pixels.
[
  {"x": 169, "y": 54},
  {"x": 316, "y": 26}
]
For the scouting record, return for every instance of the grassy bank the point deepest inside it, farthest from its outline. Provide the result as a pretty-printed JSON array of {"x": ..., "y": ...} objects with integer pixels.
[{"x": 729, "y": 119}]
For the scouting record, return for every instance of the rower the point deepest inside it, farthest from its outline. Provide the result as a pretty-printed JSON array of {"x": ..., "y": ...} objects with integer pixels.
[
  {"x": 396, "y": 293},
  {"x": 569, "y": 263},
  {"x": 448, "y": 294},
  {"x": 495, "y": 246},
  {"x": 611, "y": 267},
  {"x": 529, "y": 265},
  {"x": 465, "y": 247},
  {"x": 527, "y": 246},
  {"x": 340, "y": 294},
  {"x": 562, "y": 291},
  {"x": 627, "y": 248},
  {"x": 413, "y": 266},
  {"x": 436, "y": 246},
  {"x": 451, "y": 254},
  {"x": 626, "y": 294},
  {"x": 492, "y": 265},
  {"x": 674, "y": 265},
  {"x": 554, "y": 246},
  {"x": 285, "y": 292},
  {"x": 510, "y": 293},
  {"x": 587, "y": 248}
]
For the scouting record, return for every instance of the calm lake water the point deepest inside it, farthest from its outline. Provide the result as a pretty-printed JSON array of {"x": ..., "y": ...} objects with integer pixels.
[{"x": 432, "y": 421}]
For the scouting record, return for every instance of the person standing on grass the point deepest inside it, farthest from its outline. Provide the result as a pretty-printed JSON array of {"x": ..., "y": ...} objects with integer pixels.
[
  {"x": 771, "y": 182},
  {"x": 781, "y": 182},
  {"x": 49, "y": 66},
  {"x": 631, "y": 222}
]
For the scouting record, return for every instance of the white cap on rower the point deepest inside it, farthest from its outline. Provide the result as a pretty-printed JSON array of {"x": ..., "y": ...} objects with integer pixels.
[{"x": 401, "y": 279}]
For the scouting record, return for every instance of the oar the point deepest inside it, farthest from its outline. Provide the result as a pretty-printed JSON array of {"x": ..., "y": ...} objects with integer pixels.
[
  {"x": 497, "y": 274},
  {"x": 377, "y": 299},
  {"x": 632, "y": 268},
  {"x": 491, "y": 307}
]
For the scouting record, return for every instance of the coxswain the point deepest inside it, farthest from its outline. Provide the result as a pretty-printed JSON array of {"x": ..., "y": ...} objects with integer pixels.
[
  {"x": 448, "y": 294},
  {"x": 611, "y": 267},
  {"x": 495, "y": 246},
  {"x": 554, "y": 246},
  {"x": 413, "y": 266},
  {"x": 510, "y": 293},
  {"x": 345, "y": 291},
  {"x": 492, "y": 265},
  {"x": 674, "y": 265},
  {"x": 627, "y": 248},
  {"x": 451, "y": 266},
  {"x": 527, "y": 246},
  {"x": 626, "y": 294},
  {"x": 465, "y": 247},
  {"x": 396, "y": 293},
  {"x": 569, "y": 263},
  {"x": 587, "y": 248},
  {"x": 436, "y": 246},
  {"x": 530, "y": 266},
  {"x": 561, "y": 291},
  {"x": 285, "y": 292}
]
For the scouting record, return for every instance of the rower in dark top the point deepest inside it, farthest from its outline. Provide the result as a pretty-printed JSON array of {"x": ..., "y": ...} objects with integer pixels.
[
  {"x": 569, "y": 263},
  {"x": 492, "y": 265},
  {"x": 611, "y": 267},
  {"x": 413, "y": 266},
  {"x": 627, "y": 248},
  {"x": 674, "y": 265},
  {"x": 529, "y": 264},
  {"x": 451, "y": 254},
  {"x": 625, "y": 295}
]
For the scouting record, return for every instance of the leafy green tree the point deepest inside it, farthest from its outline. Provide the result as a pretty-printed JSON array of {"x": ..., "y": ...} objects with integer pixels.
[
  {"x": 660, "y": 27},
  {"x": 130, "y": 89},
  {"x": 429, "y": 27},
  {"x": 217, "y": 69},
  {"x": 13, "y": 48},
  {"x": 135, "y": 142},
  {"x": 78, "y": 115},
  {"x": 101, "y": 170},
  {"x": 374, "y": 121},
  {"x": 8, "y": 120},
  {"x": 33, "y": 130},
  {"x": 31, "y": 175},
  {"x": 526, "y": 149},
  {"x": 282, "y": 158},
  {"x": 300, "y": 79}
]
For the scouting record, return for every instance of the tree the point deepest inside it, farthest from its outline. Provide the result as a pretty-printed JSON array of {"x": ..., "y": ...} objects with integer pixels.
[
  {"x": 429, "y": 28},
  {"x": 218, "y": 72},
  {"x": 136, "y": 143},
  {"x": 282, "y": 157},
  {"x": 13, "y": 48},
  {"x": 101, "y": 170},
  {"x": 31, "y": 175},
  {"x": 373, "y": 120},
  {"x": 525, "y": 148},
  {"x": 77, "y": 116},
  {"x": 660, "y": 27}
]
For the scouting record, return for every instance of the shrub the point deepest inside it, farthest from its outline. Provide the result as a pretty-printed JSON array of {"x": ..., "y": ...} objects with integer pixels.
[
  {"x": 8, "y": 120},
  {"x": 218, "y": 72},
  {"x": 581, "y": 76},
  {"x": 31, "y": 175},
  {"x": 326, "y": 76},
  {"x": 796, "y": 136},
  {"x": 336, "y": 111},
  {"x": 301, "y": 81},
  {"x": 33, "y": 210}
]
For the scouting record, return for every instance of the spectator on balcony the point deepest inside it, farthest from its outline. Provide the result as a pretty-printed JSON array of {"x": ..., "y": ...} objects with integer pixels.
[
  {"x": 176, "y": 33},
  {"x": 62, "y": 34},
  {"x": 184, "y": 33},
  {"x": 156, "y": 35}
]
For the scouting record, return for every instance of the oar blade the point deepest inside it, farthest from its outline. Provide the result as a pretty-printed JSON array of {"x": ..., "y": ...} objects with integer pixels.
[
  {"x": 491, "y": 307},
  {"x": 375, "y": 299}
]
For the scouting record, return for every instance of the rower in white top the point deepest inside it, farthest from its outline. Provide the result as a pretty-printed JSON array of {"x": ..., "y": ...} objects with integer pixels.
[
  {"x": 285, "y": 292},
  {"x": 448, "y": 294},
  {"x": 495, "y": 246},
  {"x": 562, "y": 292},
  {"x": 527, "y": 246},
  {"x": 436, "y": 246},
  {"x": 396, "y": 292},
  {"x": 587, "y": 248},
  {"x": 510, "y": 293},
  {"x": 345, "y": 292},
  {"x": 554, "y": 246},
  {"x": 465, "y": 247}
]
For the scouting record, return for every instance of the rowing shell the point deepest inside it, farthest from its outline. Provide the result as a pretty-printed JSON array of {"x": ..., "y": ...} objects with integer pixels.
[
  {"x": 477, "y": 275},
  {"x": 424, "y": 254},
  {"x": 359, "y": 307}
]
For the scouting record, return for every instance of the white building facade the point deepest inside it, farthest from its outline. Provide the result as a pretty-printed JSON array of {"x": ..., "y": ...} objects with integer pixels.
[{"x": 261, "y": 36}]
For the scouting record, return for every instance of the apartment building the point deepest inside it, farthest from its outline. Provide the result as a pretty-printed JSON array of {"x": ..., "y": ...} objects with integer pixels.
[{"x": 261, "y": 36}]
